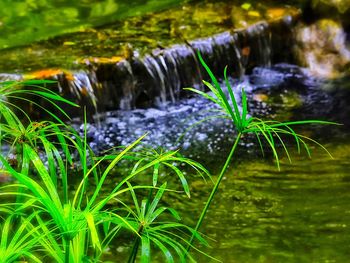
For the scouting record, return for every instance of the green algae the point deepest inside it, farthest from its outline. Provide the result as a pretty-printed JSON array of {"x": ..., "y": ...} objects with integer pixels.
[
  {"x": 23, "y": 22},
  {"x": 98, "y": 36},
  {"x": 64, "y": 33}
]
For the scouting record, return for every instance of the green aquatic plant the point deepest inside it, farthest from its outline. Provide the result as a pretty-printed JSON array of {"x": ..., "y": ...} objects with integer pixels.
[
  {"x": 165, "y": 235},
  {"x": 72, "y": 228},
  {"x": 69, "y": 220},
  {"x": 158, "y": 160},
  {"x": 18, "y": 242},
  {"x": 152, "y": 162},
  {"x": 17, "y": 128},
  {"x": 270, "y": 133},
  {"x": 49, "y": 138},
  {"x": 60, "y": 222},
  {"x": 31, "y": 92}
]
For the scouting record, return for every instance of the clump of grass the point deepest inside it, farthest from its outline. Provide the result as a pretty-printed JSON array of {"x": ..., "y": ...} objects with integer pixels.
[
  {"x": 53, "y": 220},
  {"x": 19, "y": 242}
]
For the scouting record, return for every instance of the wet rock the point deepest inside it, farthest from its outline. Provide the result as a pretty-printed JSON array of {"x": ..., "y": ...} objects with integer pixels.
[
  {"x": 322, "y": 47},
  {"x": 5, "y": 176},
  {"x": 341, "y": 5}
]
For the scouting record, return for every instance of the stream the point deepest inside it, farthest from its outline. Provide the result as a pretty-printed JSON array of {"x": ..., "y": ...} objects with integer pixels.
[
  {"x": 260, "y": 214},
  {"x": 129, "y": 64}
]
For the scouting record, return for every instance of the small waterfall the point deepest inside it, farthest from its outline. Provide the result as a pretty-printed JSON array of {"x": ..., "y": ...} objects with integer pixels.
[
  {"x": 154, "y": 68},
  {"x": 127, "y": 99},
  {"x": 82, "y": 87},
  {"x": 186, "y": 66},
  {"x": 10, "y": 77},
  {"x": 226, "y": 48},
  {"x": 261, "y": 43},
  {"x": 172, "y": 74},
  {"x": 158, "y": 78}
]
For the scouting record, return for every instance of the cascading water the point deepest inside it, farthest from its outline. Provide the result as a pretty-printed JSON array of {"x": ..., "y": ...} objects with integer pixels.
[
  {"x": 159, "y": 77},
  {"x": 82, "y": 85}
]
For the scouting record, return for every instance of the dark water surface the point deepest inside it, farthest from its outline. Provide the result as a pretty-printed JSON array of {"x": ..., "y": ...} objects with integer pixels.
[{"x": 300, "y": 214}]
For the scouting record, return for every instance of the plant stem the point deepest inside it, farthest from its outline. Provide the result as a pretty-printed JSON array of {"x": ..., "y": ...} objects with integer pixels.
[
  {"x": 216, "y": 186},
  {"x": 67, "y": 251},
  {"x": 136, "y": 245},
  {"x": 134, "y": 250}
]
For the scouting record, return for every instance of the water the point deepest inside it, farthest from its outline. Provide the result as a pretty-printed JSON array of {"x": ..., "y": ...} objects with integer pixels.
[
  {"x": 278, "y": 91},
  {"x": 134, "y": 63},
  {"x": 300, "y": 214},
  {"x": 260, "y": 214}
]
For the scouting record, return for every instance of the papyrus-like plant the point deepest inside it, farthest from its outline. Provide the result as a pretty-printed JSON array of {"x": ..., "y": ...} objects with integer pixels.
[
  {"x": 65, "y": 209},
  {"x": 273, "y": 133}
]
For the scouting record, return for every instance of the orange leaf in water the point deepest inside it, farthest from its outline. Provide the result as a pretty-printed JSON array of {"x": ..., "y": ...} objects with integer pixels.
[
  {"x": 44, "y": 74},
  {"x": 260, "y": 97},
  {"x": 49, "y": 74},
  {"x": 246, "y": 51},
  {"x": 84, "y": 91},
  {"x": 69, "y": 76},
  {"x": 273, "y": 13}
]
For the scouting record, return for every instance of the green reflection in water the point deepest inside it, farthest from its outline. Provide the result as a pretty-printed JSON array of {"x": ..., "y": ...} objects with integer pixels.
[{"x": 300, "y": 214}]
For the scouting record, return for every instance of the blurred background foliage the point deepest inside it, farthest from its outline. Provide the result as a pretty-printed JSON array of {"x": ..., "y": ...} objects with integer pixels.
[{"x": 25, "y": 21}]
